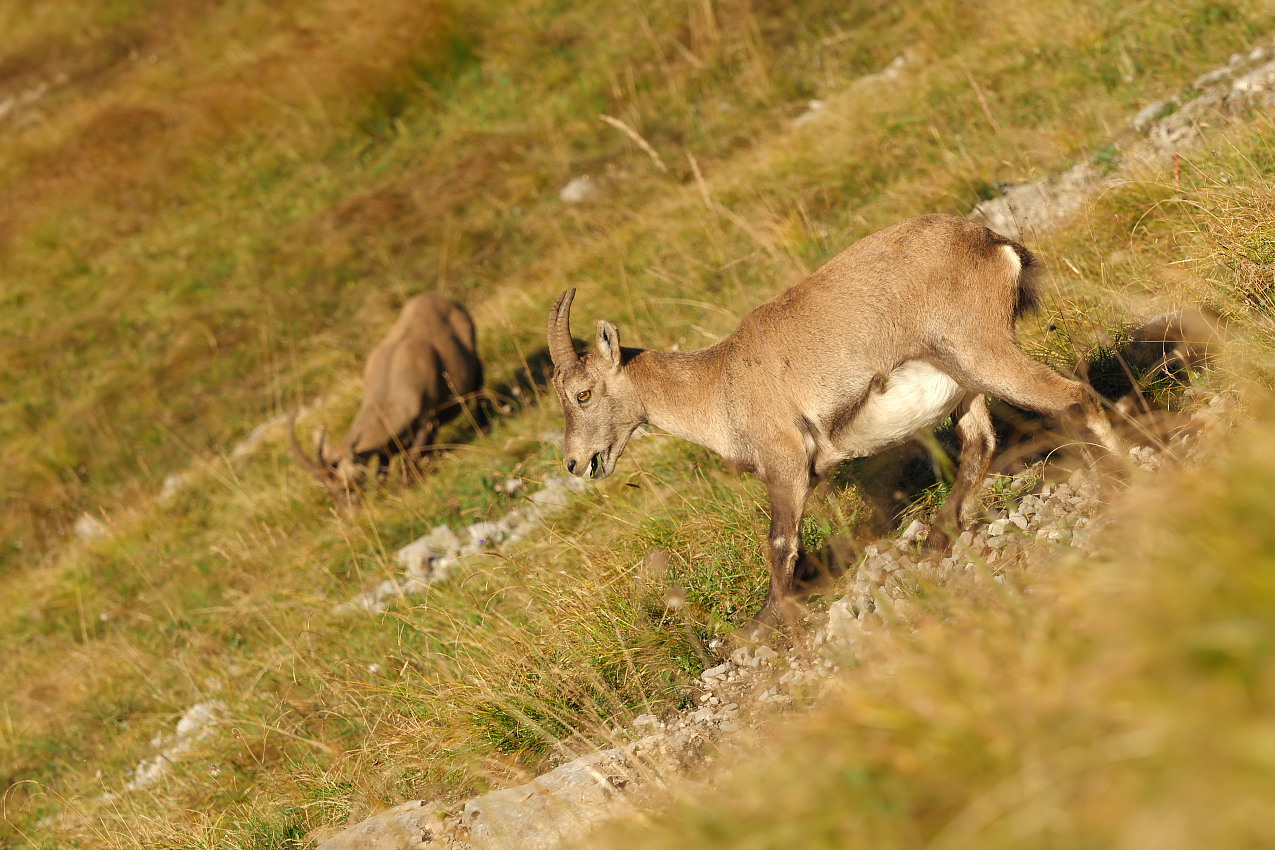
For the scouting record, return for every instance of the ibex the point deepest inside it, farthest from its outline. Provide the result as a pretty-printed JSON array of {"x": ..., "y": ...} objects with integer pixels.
[
  {"x": 417, "y": 378},
  {"x": 897, "y": 332}
]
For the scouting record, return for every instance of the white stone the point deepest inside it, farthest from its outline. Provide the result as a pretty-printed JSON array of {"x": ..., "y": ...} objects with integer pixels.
[
  {"x": 914, "y": 530},
  {"x": 813, "y": 108},
  {"x": 416, "y": 555},
  {"x": 550, "y": 498},
  {"x": 173, "y": 484},
  {"x": 195, "y": 724},
  {"x": 512, "y": 486},
  {"x": 1149, "y": 113},
  {"x": 715, "y": 672},
  {"x": 579, "y": 190},
  {"x": 89, "y": 528},
  {"x": 485, "y": 533},
  {"x": 645, "y": 720}
]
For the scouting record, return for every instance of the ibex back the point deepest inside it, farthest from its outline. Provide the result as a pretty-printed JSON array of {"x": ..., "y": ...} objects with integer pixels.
[
  {"x": 415, "y": 379},
  {"x": 897, "y": 332}
]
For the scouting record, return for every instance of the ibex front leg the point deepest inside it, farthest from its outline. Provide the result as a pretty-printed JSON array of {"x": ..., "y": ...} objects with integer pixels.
[
  {"x": 422, "y": 438},
  {"x": 787, "y": 505}
]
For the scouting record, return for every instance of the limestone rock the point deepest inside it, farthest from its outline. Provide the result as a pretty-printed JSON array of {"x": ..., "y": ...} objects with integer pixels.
[
  {"x": 539, "y": 814},
  {"x": 410, "y": 825}
]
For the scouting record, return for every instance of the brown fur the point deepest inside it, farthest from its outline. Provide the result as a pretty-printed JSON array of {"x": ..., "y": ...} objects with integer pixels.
[
  {"x": 805, "y": 381},
  {"x": 417, "y": 378}
]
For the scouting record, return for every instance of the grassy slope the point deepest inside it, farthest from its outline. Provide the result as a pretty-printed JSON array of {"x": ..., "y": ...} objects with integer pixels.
[{"x": 198, "y": 240}]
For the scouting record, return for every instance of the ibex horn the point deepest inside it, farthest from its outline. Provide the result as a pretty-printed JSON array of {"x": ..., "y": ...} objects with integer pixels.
[
  {"x": 315, "y": 467},
  {"x": 561, "y": 349}
]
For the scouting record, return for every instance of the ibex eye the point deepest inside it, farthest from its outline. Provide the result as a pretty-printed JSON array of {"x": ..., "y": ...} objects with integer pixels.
[{"x": 583, "y": 396}]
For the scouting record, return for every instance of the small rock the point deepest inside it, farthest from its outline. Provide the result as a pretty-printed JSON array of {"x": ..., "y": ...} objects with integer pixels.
[
  {"x": 89, "y": 528},
  {"x": 416, "y": 555},
  {"x": 1149, "y": 113},
  {"x": 813, "y": 108},
  {"x": 643, "y": 720},
  {"x": 701, "y": 715},
  {"x": 715, "y": 672},
  {"x": 173, "y": 484},
  {"x": 486, "y": 533},
  {"x": 578, "y": 190},
  {"x": 551, "y": 498},
  {"x": 914, "y": 530}
]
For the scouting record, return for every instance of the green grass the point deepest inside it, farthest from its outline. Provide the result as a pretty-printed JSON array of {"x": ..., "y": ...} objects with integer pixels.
[{"x": 193, "y": 245}]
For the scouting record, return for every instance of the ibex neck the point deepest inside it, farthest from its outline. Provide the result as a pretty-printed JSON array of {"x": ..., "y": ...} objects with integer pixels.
[{"x": 682, "y": 394}]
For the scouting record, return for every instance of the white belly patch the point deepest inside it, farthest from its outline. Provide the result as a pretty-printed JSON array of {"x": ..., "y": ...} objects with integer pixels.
[{"x": 917, "y": 397}]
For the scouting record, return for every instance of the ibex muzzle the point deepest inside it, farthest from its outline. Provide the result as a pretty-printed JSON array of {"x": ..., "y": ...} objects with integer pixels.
[{"x": 904, "y": 328}]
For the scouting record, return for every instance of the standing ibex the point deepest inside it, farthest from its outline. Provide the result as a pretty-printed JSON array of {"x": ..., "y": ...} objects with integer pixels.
[
  {"x": 417, "y": 378},
  {"x": 887, "y": 339}
]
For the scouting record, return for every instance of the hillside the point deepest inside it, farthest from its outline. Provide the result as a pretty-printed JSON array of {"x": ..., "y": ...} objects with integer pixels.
[{"x": 210, "y": 213}]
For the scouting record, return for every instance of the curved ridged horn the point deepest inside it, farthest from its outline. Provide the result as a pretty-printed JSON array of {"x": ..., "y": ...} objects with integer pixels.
[
  {"x": 562, "y": 350},
  {"x": 316, "y": 468}
]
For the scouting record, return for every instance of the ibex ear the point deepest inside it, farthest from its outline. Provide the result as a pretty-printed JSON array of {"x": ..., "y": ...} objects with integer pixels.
[{"x": 608, "y": 344}]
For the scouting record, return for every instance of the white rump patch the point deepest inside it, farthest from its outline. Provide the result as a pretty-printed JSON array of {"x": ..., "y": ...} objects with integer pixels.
[
  {"x": 917, "y": 397},
  {"x": 1014, "y": 261}
]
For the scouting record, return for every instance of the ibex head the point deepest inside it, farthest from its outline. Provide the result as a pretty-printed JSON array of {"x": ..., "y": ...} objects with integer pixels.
[
  {"x": 334, "y": 468},
  {"x": 599, "y": 403}
]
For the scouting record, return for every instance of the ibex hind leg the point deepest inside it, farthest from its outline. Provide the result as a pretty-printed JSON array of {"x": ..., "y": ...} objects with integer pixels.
[
  {"x": 978, "y": 442},
  {"x": 1000, "y": 369}
]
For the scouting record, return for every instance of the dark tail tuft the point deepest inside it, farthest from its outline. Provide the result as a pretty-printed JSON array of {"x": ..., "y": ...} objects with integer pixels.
[
  {"x": 1028, "y": 296},
  {"x": 1028, "y": 282}
]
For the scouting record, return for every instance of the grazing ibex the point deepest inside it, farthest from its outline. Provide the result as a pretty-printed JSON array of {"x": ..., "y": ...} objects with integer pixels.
[
  {"x": 417, "y": 378},
  {"x": 897, "y": 332}
]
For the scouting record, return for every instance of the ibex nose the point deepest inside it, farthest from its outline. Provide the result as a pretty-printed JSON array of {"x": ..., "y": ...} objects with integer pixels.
[{"x": 571, "y": 465}]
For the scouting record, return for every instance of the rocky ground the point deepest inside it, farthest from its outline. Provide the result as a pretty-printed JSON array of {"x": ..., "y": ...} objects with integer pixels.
[{"x": 1161, "y": 135}]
